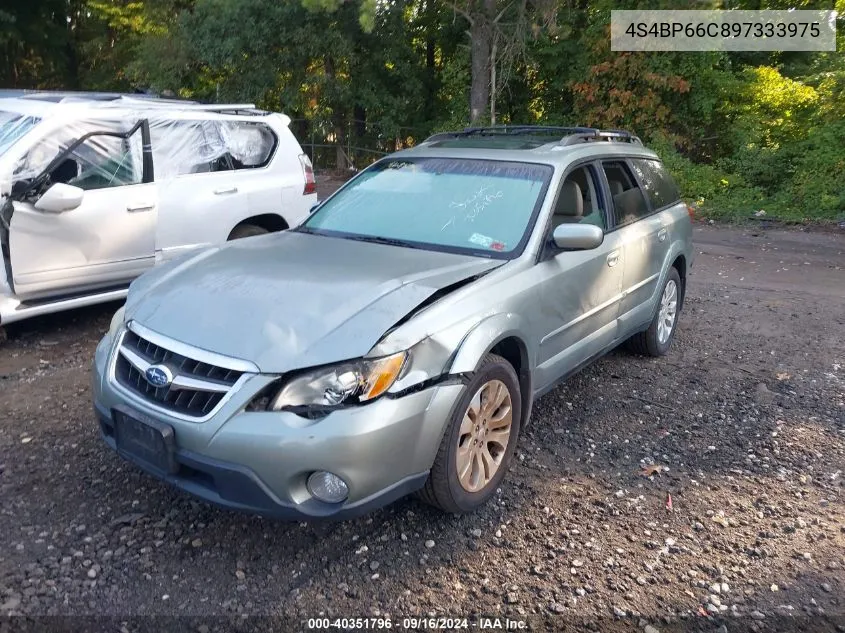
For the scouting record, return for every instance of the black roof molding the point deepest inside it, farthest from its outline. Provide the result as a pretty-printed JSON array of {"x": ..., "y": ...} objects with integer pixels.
[{"x": 568, "y": 135}]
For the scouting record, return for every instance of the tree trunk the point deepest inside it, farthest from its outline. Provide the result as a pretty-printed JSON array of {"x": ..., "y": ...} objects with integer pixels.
[
  {"x": 340, "y": 138},
  {"x": 481, "y": 34},
  {"x": 337, "y": 120},
  {"x": 431, "y": 33}
]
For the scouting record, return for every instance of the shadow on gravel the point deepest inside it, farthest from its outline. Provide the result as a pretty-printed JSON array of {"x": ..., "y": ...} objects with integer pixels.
[
  {"x": 69, "y": 324},
  {"x": 744, "y": 432},
  {"x": 576, "y": 530}
]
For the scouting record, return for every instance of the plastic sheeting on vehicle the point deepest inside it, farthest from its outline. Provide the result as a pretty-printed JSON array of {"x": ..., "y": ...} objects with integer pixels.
[
  {"x": 180, "y": 146},
  {"x": 14, "y": 125}
]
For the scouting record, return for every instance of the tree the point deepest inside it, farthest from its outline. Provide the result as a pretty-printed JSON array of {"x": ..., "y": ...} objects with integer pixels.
[
  {"x": 317, "y": 65},
  {"x": 499, "y": 31}
]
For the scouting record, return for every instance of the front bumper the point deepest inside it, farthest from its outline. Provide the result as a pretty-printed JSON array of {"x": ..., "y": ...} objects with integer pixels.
[{"x": 259, "y": 462}]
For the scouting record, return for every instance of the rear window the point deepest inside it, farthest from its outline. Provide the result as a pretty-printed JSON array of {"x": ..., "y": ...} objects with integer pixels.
[{"x": 657, "y": 182}]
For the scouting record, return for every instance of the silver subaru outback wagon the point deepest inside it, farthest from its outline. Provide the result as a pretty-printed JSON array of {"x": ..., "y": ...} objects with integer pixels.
[{"x": 396, "y": 340}]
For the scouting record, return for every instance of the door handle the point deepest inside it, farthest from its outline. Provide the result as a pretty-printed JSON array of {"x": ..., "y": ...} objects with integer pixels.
[
  {"x": 661, "y": 234},
  {"x": 613, "y": 259},
  {"x": 138, "y": 208},
  {"x": 223, "y": 191}
]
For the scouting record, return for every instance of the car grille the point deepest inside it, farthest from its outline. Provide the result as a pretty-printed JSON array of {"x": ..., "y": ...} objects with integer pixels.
[{"x": 197, "y": 387}]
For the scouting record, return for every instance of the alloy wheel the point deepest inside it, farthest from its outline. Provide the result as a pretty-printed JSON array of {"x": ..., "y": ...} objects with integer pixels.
[
  {"x": 484, "y": 435},
  {"x": 668, "y": 311}
]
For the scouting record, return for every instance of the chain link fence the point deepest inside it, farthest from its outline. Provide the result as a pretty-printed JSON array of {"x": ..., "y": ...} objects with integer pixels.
[{"x": 352, "y": 147}]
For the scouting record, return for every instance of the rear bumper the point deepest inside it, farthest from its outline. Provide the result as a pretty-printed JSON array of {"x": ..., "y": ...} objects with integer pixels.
[{"x": 236, "y": 487}]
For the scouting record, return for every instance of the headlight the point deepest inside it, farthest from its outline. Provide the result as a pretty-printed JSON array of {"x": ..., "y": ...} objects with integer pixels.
[
  {"x": 116, "y": 322},
  {"x": 347, "y": 383}
]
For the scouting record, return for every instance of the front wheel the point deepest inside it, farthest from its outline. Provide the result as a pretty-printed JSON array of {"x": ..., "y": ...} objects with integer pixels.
[
  {"x": 657, "y": 339},
  {"x": 479, "y": 442}
]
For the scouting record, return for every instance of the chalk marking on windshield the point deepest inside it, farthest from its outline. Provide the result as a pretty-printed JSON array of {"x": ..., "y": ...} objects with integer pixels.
[{"x": 474, "y": 205}]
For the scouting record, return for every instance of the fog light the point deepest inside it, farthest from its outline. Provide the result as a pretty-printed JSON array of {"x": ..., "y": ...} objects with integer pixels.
[{"x": 327, "y": 487}]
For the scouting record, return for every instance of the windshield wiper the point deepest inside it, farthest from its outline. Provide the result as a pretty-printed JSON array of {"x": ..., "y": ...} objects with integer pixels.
[
  {"x": 374, "y": 239},
  {"x": 380, "y": 240}
]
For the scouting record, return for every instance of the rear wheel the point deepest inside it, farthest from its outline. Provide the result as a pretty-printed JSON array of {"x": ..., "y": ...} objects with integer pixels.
[
  {"x": 479, "y": 442},
  {"x": 246, "y": 230},
  {"x": 657, "y": 339}
]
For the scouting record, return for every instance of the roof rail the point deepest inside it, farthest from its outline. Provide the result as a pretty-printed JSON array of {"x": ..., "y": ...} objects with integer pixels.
[
  {"x": 592, "y": 135},
  {"x": 548, "y": 130},
  {"x": 569, "y": 135},
  {"x": 225, "y": 107},
  {"x": 129, "y": 99},
  {"x": 228, "y": 108}
]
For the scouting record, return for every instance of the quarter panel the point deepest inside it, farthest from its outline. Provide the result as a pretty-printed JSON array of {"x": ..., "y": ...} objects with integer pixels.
[{"x": 641, "y": 315}]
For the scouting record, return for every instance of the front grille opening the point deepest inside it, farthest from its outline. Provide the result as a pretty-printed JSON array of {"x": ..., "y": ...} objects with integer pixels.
[
  {"x": 192, "y": 402},
  {"x": 185, "y": 366}
]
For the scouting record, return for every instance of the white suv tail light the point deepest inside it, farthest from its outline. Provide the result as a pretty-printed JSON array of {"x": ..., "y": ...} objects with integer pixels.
[{"x": 308, "y": 172}]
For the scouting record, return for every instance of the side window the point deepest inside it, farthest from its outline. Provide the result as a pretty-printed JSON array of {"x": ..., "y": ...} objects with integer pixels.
[
  {"x": 100, "y": 162},
  {"x": 579, "y": 200},
  {"x": 188, "y": 147},
  {"x": 182, "y": 147},
  {"x": 249, "y": 144},
  {"x": 629, "y": 203},
  {"x": 657, "y": 182}
]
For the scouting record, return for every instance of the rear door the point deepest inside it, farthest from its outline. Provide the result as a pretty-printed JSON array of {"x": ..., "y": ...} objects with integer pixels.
[
  {"x": 200, "y": 191},
  {"x": 663, "y": 198},
  {"x": 643, "y": 233},
  {"x": 105, "y": 242}
]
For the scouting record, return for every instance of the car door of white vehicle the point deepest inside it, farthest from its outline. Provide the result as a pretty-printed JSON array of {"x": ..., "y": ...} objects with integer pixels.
[
  {"x": 106, "y": 241},
  {"x": 201, "y": 197}
]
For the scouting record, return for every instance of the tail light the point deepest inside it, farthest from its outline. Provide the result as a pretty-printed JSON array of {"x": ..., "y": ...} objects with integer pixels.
[
  {"x": 308, "y": 172},
  {"x": 691, "y": 212}
]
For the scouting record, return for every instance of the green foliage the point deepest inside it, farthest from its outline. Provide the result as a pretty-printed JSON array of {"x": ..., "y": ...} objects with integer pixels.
[
  {"x": 741, "y": 131},
  {"x": 366, "y": 15}
]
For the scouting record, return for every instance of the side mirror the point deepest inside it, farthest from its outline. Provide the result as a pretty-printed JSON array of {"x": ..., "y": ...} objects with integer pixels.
[
  {"x": 60, "y": 198},
  {"x": 577, "y": 237}
]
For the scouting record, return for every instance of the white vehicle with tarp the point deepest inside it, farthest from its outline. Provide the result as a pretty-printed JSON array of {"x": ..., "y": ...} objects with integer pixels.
[{"x": 98, "y": 188}]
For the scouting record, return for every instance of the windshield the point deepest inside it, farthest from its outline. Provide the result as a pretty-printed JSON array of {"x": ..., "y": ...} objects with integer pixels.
[
  {"x": 481, "y": 207},
  {"x": 14, "y": 125}
]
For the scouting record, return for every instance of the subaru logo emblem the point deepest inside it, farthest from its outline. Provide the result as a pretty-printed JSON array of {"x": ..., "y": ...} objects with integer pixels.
[{"x": 158, "y": 376}]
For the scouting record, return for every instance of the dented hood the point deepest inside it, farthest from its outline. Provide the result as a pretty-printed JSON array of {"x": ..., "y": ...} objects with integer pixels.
[{"x": 292, "y": 300}]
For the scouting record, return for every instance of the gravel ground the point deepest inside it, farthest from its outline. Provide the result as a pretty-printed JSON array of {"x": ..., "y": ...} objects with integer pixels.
[{"x": 700, "y": 491}]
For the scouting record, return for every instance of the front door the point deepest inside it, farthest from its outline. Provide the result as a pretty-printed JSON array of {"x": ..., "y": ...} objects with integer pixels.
[
  {"x": 578, "y": 301},
  {"x": 105, "y": 242}
]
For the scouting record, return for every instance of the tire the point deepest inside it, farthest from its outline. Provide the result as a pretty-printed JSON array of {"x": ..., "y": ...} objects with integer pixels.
[
  {"x": 246, "y": 230},
  {"x": 444, "y": 488},
  {"x": 655, "y": 341}
]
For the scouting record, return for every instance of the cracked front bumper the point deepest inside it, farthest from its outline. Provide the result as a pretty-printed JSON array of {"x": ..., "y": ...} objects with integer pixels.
[{"x": 260, "y": 461}]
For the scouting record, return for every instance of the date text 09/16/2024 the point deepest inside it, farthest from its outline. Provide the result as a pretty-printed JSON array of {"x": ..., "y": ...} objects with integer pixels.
[{"x": 480, "y": 623}]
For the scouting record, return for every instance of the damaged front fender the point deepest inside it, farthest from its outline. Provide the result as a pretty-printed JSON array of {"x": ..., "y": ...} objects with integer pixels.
[{"x": 454, "y": 352}]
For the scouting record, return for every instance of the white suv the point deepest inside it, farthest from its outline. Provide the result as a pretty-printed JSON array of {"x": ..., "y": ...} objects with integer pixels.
[{"x": 98, "y": 188}]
